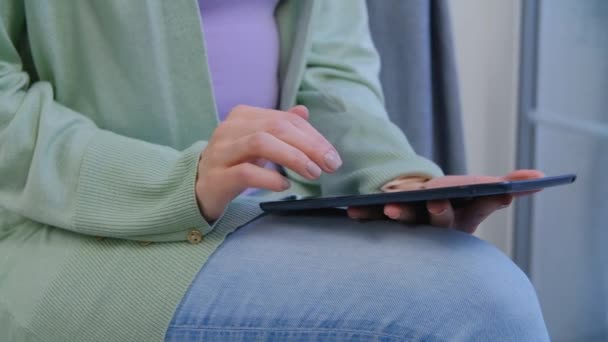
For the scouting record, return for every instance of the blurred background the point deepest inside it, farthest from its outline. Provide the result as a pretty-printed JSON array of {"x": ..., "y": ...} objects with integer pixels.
[{"x": 533, "y": 79}]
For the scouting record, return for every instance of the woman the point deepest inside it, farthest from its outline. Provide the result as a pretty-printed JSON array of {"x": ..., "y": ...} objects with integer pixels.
[{"x": 118, "y": 183}]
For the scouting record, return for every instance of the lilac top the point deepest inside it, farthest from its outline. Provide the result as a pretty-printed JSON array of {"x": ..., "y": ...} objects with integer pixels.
[{"x": 242, "y": 45}]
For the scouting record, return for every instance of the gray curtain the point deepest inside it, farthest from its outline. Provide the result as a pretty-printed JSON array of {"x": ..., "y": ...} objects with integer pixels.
[{"x": 419, "y": 77}]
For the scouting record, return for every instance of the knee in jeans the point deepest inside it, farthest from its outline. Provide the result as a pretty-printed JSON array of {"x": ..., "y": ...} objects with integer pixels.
[{"x": 498, "y": 293}]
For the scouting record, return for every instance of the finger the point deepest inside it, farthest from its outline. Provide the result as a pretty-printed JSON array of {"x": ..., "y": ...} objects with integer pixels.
[
  {"x": 283, "y": 126},
  {"x": 523, "y": 174},
  {"x": 400, "y": 212},
  {"x": 309, "y": 139},
  {"x": 266, "y": 146},
  {"x": 247, "y": 175},
  {"x": 306, "y": 138},
  {"x": 405, "y": 184},
  {"x": 360, "y": 213},
  {"x": 441, "y": 213},
  {"x": 470, "y": 217},
  {"x": 245, "y": 120},
  {"x": 458, "y": 180},
  {"x": 332, "y": 161},
  {"x": 300, "y": 110}
]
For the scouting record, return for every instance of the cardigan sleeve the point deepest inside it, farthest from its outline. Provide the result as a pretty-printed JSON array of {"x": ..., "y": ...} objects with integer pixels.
[
  {"x": 58, "y": 168},
  {"x": 341, "y": 88}
]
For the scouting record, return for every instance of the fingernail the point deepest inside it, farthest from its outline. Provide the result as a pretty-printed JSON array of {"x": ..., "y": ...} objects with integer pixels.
[
  {"x": 313, "y": 169},
  {"x": 502, "y": 206},
  {"x": 332, "y": 160},
  {"x": 286, "y": 184},
  {"x": 441, "y": 212}
]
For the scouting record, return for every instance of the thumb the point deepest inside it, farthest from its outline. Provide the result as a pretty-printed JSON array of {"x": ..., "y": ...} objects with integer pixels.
[
  {"x": 441, "y": 213},
  {"x": 523, "y": 174}
]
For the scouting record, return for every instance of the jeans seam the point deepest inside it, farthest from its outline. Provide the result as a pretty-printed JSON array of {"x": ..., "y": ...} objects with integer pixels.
[{"x": 311, "y": 330}]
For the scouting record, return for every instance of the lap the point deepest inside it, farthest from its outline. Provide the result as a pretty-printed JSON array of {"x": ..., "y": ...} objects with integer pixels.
[{"x": 331, "y": 278}]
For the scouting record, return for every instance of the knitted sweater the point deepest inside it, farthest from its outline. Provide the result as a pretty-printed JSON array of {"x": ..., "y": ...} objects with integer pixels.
[{"x": 105, "y": 107}]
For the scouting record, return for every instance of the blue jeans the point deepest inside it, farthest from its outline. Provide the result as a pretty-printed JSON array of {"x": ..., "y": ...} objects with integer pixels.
[{"x": 330, "y": 278}]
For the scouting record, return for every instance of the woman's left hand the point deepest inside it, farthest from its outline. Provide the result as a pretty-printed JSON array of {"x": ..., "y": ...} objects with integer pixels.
[{"x": 440, "y": 212}]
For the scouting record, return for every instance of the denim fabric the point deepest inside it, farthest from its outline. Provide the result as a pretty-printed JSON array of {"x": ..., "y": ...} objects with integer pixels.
[{"x": 330, "y": 278}]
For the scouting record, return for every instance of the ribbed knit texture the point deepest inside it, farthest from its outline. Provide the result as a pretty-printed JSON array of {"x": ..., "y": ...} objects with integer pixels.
[
  {"x": 129, "y": 188},
  {"x": 163, "y": 271},
  {"x": 102, "y": 137}
]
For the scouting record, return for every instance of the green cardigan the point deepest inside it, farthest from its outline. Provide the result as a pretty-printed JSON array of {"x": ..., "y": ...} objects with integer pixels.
[{"x": 105, "y": 107}]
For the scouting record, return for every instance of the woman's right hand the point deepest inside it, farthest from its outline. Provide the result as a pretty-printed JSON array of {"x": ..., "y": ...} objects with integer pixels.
[{"x": 249, "y": 137}]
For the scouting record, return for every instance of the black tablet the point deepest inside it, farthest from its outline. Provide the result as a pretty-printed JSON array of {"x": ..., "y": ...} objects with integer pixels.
[{"x": 454, "y": 193}]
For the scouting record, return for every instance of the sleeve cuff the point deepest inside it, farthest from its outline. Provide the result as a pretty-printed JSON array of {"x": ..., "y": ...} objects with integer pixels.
[{"x": 132, "y": 189}]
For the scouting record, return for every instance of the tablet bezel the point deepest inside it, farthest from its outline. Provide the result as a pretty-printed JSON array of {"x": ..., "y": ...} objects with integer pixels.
[{"x": 451, "y": 193}]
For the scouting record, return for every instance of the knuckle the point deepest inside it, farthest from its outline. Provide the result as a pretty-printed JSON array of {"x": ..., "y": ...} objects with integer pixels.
[
  {"x": 240, "y": 108},
  {"x": 257, "y": 141},
  {"x": 300, "y": 122},
  {"x": 245, "y": 173},
  {"x": 215, "y": 152},
  {"x": 295, "y": 119},
  {"x": 221, "y": 130},
  {"x": 278, "y": 126}
]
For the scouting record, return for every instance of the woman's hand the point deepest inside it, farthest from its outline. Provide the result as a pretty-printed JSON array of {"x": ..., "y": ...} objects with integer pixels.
[
  {"x": 242, "y": 144},
  {"x": 440, "y": 212}
]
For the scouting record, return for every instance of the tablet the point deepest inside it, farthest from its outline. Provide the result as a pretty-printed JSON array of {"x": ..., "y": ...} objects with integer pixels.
[{"x": 457, "y": 194}]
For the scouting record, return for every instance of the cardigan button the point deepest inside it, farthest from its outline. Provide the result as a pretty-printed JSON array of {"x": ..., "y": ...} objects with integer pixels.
[
  {"x": 195, "y": 237},
  {"x": 145, "y": 243}
]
